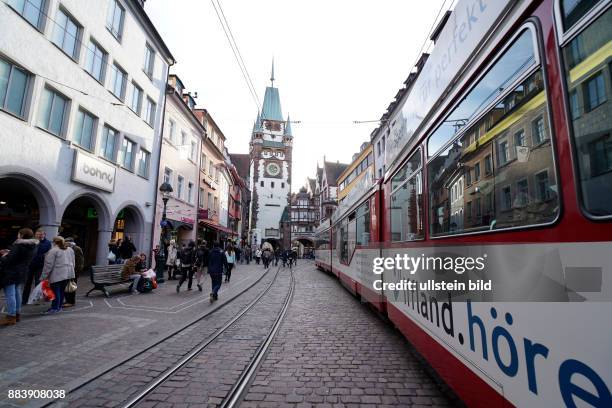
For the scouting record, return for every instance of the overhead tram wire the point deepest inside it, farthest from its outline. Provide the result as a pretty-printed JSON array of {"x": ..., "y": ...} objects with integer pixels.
[
  {"x": 242, "y": 69},
  {"x": 238, "y": 50},
  {"x": 421, "y": 49}
]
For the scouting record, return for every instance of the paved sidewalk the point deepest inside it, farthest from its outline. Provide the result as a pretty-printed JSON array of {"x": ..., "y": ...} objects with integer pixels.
[
  {"x": 332, "y": 351},
  {"x": 51, "y": 352}
]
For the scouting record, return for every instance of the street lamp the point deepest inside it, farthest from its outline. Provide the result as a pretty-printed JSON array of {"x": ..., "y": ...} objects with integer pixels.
[{"x": 160, "y": 263}]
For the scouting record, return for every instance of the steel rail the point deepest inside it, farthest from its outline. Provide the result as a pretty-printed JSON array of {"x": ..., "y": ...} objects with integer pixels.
[
  {"x": 236, "y": 394},
  {"x": 198, "y": 349},
  {"x": 158, "y": 342}
]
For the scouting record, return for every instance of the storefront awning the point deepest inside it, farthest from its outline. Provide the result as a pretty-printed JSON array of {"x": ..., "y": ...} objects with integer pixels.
[
  {"x": 217, "y": 227},
  {"x": 175, "y": 225}
]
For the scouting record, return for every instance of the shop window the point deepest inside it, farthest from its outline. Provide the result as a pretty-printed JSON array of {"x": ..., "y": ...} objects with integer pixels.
[
  {"x": 32, "y": 10},
  {"x": 201, "y": 198},
  {"x": 499, "y": 128},
  {"x": 85, "y": 129},
  {"x": 95, "y": 61},
  {"x": 406, "y": 201},
  {"x": 67, "y": 34},
  {"x": 477, "y": 171},
  {"x": 54, "y": 109},
  {"x": 107, "y": 143},
  {"x": 591, "y": 126},
  {"x": 14, "y": 83}
]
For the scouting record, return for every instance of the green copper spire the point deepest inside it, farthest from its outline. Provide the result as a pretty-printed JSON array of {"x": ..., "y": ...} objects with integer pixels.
[{"x": 288, "y": 131}]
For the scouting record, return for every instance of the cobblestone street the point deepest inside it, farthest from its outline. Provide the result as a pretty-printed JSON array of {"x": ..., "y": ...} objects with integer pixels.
[
  {"x": 334, "y": 352},
  {"x": 330, "y": 350}
]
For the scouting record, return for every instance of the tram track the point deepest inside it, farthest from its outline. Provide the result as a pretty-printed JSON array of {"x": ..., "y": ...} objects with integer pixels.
[
  {"x": 158, "y": 342},
  {"x": 235, "y": 394}
]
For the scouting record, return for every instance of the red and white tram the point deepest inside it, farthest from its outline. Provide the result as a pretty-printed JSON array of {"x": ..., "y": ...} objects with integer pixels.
[{"x": 501, "y": 149}]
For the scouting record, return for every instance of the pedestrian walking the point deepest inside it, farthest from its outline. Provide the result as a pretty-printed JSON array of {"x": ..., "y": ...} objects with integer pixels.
[
  {"x": 79, "y": 265},
  {"x": 14, "y": 267},
  {"x": 258, "y": 256},
  {"x": 248, "y": 254},
  {"x": 36, "y": 265},
  {"x": 171, "y": 260},
  {"x": 127, "y": 248},
  {"x": 230, "y": 259},
  {"x": 216, "y": 263},
  {"x": 188, "y": 258},
  {"x": 238, "y": 252},
  {"x": 285, "y": 257},
  {"x": 277, "y": 255},
  {"x": 58, "y": 270},
  {"x": 201, "y": 264}
]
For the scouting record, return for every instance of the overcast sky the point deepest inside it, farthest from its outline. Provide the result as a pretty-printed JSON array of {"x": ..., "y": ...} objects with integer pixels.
[{"x": 336, "y": 62}]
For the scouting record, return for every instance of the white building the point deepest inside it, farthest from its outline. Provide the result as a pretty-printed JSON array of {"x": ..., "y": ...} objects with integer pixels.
[
  {"x": 180, "y": 164},
  {"x": 270, "y": 171},
  {"x": 82, "y": 91}
]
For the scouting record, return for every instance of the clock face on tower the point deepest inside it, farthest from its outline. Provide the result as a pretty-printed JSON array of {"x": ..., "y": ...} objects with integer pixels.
[{"x": 273, "y": 169}]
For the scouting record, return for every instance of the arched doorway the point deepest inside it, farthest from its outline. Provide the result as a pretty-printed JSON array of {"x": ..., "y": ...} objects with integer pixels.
[
  {"x": 274, "y": 242},
  {"x": 305, "y": 247},
  {"x": 82, "y": 220},
  {"x": 129, "y": 222},
  {"x": 24, "y": 203}
]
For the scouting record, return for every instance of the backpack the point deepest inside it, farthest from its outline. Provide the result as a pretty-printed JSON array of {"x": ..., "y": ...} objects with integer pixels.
[{"x": 144, "y": 285}]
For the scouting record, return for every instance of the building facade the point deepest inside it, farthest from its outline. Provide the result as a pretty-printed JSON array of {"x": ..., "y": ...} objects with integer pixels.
[
  {"x": 328, "y": 196},
  {"x": 83, "y": 95},
  {"x": 214, "y": 184},
  {"x": 270, "y": 170},
  {"x": 180, "y": 164},
  {"x": 362, "y": 162},
  {"x": 299, "y": 222}
]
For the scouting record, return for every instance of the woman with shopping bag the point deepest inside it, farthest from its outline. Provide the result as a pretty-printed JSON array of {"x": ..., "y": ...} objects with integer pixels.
[
  {"x": 14, "y": 264},
  {"x": 58, "y": 270}
]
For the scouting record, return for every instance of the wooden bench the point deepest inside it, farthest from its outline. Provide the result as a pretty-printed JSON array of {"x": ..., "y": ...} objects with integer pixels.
[{"x": 106, "y": 275}]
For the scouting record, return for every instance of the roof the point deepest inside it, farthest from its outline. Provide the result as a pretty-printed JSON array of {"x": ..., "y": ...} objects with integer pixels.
[
  {"x": 333, "y": 171},
  {"x": 242, "y": 162},
  {"x": 288, "y": 127},
  {"x": 153, "y": 31},
  {"x": 285, "y": 215},
  {"x": 312, "y": 183},
  {"x": 270, "y": 143},
  {"x": 271, "y": 106},
  {"x": 257, "y": 128}
]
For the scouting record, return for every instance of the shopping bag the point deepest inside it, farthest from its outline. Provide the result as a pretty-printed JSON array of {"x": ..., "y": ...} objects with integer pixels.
[
  {"x": 36, "y": 295},
  {"x": 111, "y": 257},
  {"x": 154, "y": 283},
  {"x": 48, "y": 293},
  {"x": 71, "y": 286}
]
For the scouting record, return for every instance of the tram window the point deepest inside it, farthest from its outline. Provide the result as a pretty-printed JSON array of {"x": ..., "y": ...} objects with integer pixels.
[
  {"x": 407, "y": 202},
  {"x": 343, "y": 241},
  {"x": 573, "y": 10},
  {"x": 516, "y": 60},
  {"x": 514, "y": 148},
  {"x": 587, "y": 68},
  {"x": 363, "y": 224}
]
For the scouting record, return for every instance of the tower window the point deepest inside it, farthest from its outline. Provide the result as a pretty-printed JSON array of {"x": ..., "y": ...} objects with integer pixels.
[
  {"x": 261, "y": 183},
  {"x": 282, "y": 185},
  {"x": 272, "y": 184}
]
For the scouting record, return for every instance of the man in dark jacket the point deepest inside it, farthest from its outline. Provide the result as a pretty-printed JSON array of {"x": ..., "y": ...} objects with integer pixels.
[
  {"x": 14, "y": 267},
  {"x": 127, "y": 248},
  {"x": 188, "y": 259},
  {"x": 36, "y": 266},
  {"x": 216, "y": 264}
]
